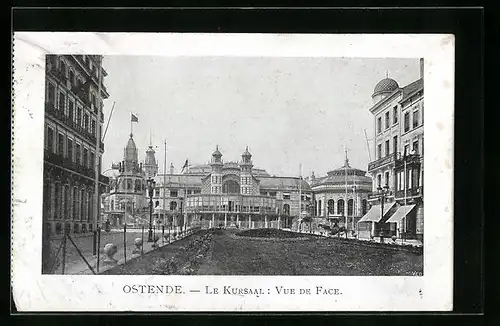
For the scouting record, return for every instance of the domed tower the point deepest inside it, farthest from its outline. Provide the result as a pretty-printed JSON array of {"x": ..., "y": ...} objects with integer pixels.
[
  {"x": 216, "y": 175},
  {"x": 384, "y": 88},
  {"x": 150, "y": 164},
  {"x": 130, "y": 158},
  {"x": 246, "y": 184}
]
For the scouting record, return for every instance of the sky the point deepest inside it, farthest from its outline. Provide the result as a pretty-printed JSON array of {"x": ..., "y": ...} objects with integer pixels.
[{"x": 296, "y": 115}]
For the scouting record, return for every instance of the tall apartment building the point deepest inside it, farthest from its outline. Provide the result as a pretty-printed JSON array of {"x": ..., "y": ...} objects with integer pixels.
[
  {"x": 71, "y": 145},
  {"x": 399, "y": 146}
]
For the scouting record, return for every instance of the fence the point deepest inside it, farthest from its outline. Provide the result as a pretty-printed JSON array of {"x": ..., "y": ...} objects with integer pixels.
[{"x": 93, "y": 253}]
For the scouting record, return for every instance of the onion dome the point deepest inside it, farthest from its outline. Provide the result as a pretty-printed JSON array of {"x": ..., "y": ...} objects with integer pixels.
[
  {"x": 385, "y": 86},
  {"x": 216, "y": 153},
  {"x": 246, "y": 153}
]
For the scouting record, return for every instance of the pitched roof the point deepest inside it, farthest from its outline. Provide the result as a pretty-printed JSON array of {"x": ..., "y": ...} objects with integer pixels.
[
  {"x": 282, "y": 183},
  {"x": 412, "y": 88}
]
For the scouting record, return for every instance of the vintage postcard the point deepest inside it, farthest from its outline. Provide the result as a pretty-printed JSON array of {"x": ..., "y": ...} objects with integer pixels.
[{"x": 232, "y": 172}]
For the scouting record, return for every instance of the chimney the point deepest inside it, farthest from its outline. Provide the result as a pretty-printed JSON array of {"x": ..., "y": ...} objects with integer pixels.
[{"x": 421, "y": 67}]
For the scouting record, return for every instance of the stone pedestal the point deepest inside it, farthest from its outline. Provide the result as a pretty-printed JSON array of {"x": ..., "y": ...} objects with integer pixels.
[
  {"x": 138, "y": 246},
  {"x": 109, "y": 251}
]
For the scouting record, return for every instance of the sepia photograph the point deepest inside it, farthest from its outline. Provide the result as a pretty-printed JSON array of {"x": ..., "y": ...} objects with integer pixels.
[{"x": 195, "y": 172}]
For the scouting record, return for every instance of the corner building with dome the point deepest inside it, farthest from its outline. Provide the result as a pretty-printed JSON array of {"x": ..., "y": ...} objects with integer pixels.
[{"x": 398, "y": 161}]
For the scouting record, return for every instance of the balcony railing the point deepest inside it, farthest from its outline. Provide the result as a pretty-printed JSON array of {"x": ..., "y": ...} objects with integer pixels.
[
  {"x": 411, "y": 160},
  {"x": 412, "y": 192},
  {"x": 65, "y": 162},
  {"x": 382, "y": 161},
  {"x": 376, "y": 195}
]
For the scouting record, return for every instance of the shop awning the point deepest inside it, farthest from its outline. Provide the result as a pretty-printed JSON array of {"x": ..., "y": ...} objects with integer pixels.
[
  {"x": 400, "y": 214},
  {"x": 374, "y": 215}
]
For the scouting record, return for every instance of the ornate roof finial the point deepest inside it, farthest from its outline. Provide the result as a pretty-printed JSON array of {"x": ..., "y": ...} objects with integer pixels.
[
  {"x": 131, "y": 135},
  {"x": 247, "y": 148},
  {"x": 387, "y": 74},
  {"x": 346, "y": 164},
  {"x": 216, "y": 147}
]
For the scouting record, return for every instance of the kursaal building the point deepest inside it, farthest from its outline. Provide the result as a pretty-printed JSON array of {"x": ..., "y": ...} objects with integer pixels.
[{"x": 230, "y": 194}]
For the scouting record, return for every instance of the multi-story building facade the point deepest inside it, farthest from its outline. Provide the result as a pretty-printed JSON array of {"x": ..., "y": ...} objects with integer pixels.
[
  {"x": 398, "y": 137},
  {"x": 340, "y": 186},
  {"x": 72, "y": 148},
  {"x": 231, "y": 194}
]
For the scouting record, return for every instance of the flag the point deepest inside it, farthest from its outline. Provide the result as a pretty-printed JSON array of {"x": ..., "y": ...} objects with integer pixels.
[
  {"x": 134, "y": 118},
  {"x": 184, "y": 166}
]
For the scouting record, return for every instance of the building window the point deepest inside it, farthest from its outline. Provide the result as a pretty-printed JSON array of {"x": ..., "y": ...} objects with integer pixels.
[
  {"x": 92, "y": 127},
  {"x": 173, "y": 193},
  {"x": 89, "y": 206},
  {"x": 71, "y": 77},
  {"x": 47, "y": 198},
  {"x": 422, "y": 146},
  {"x": 70, "y": 110},
  {"x": 350, "y": 207},
  {"x": 173, "y": 205},
  {"x": 92, "y": 160},
  {"x": 415, "y": 119},
  {"x": 51, "y": 96},
  {"x": 387, "y": 120},
  {"x": 364, "y": 206},
  {"x": 79, "y": 116},
  {"x": 395, "y": 144},
  {"x": 395, "y": 114},
  {"x": 286, "y": 196},
  {"x": 70, "y": 150},
  {"x": 415, "y": 146},
  {"x": 86, "y": 122},
  {"x": 387, "y": 148},
  {"x": 379, "y": 125},
  {"x": 50, "y": 140},
  {"x": 407, "y": 149},
  {"x": 85, "y": 161},
  {"x": 77, "y": 154},
  {"x": 379, "y": 151},
  {"x": 379, "y": 180},
  {"x": 340, "y": 207},
  {"x": 157, "y": 192},
  {"x": 331, "y": 206},
  {"x": 66, "y": 202},
  {"x": 60, "y": 144},
  {"x": 62, "y": 102},
  {"x": 286, "y": 209},
  {"x": 387, "y": 179},
  {"x": 407, "y": 121}
]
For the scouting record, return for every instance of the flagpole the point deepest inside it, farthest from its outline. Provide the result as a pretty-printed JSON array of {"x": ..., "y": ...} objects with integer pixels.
[
  {"x": 165, "y": 183},
  {"x": 300, "y": 194}
]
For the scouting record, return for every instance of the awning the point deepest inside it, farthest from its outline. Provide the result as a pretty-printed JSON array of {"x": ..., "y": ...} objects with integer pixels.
[
  {"x": 400, "y": 214},
  {"x": 374, "y": 215}
]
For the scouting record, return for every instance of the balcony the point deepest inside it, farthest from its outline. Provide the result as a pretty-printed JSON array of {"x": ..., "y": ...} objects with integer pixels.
[
  {"x": 382, "y": 161},
  {"x": 411, "y": 160},
  {"x": 376, "y": 195},
  {"x": 66, "y": 163},
  {"x": 412, "y": 192}
]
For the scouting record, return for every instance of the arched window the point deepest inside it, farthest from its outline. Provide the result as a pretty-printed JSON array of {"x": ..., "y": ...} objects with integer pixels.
[
  {"x": 173, "y": 205},
  {"x": 350, "y": 207},
  {"x": 320, "y": 213},
  {"x": 340, "y": 207},
  {"x": 315, "y": 207},
  {"x": 112, "y": 205},
  {"x": 129, "y": 184},
  {"x": 364, "y": 206},
  {"x": 286, "y": 209},
  {"x": 157, "y": 203},
  {"x": 138, "y": 185},
  {"x": 231, "y": 187},
  {"x": 330, "y": 206}
]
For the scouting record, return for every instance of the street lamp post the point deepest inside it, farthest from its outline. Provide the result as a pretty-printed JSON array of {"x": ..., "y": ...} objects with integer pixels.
[
  {"x": 382, "y": 192},
  {"x": 151, "y": 188}
]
